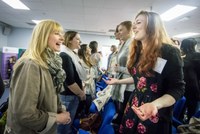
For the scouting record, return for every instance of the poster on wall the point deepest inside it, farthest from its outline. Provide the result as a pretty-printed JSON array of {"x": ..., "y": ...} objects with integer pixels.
[
  {"x": 8, "y": 59},
  {"x": 20, "y": 52}
]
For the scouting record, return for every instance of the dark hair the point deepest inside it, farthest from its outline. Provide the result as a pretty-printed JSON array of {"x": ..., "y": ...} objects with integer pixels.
[
  {"x": 116, "y": 30},
  {"x": 69, "y": 35},
  {"x": 93, "y": 45},
  {"x": 82, "y": 54},
  {"x": 188, "y": 45}
]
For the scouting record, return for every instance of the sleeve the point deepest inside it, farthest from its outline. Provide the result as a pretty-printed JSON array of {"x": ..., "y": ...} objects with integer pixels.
[
  {"x": 123, "y": 70},
  {"x": 68, "y": 66},
  {"x": 98, "y": 59},
  {"x": 25, "y": 92},
  {"x": 173, "y": 82},
  {"x": 196, "y": 63}
]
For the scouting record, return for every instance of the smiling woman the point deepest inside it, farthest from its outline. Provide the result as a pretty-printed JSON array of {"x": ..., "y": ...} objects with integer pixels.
[
  {"x": 157, "y": 73},
  {"x": 76, "y": 73},
  {"x": 55, "y": 41},
  {"x": 36, "y": 81}
]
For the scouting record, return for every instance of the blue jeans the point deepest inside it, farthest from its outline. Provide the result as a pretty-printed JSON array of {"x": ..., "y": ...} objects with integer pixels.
[{"x": 71, "y": 102}]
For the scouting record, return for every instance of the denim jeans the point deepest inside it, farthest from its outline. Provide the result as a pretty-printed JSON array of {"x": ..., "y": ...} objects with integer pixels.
[{"x": 71, "y": 102}]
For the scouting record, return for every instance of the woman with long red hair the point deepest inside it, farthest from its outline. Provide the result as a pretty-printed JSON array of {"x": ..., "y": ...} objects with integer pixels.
[{"x": 157, "y": 73}]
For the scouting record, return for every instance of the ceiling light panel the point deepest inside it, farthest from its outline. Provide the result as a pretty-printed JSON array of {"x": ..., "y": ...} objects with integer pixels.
[
  {"x": 176, "y": 11},
  {"x": 16, "y": 4},
  {"x": 185, "y": 35}
]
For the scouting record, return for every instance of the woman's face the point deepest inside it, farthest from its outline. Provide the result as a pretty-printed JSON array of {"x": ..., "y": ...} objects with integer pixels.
[
  {"x": 123, "y": 32},
  {"x": 139, "y": 28},
  {"x": 88, "y": 51},
  {"x": 117, "y": 36},
  {"x": 76, "y": 41},
  {"x": 55, "y": 40}
]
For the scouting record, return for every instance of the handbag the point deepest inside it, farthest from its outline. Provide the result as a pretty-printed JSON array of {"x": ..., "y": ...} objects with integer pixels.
[
  {"x": 91, "y": 123},
  {"x": 192, "y": 128}
]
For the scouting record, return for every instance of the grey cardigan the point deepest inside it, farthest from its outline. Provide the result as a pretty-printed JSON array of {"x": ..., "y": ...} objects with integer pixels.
[{"x": 118, "y": 90}]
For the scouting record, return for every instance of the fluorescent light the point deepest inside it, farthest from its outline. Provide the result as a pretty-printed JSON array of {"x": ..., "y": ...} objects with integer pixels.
[
  {"x": 184, "y": 35},
  {"x": 184, "y": 19},
  {"x": 176, "y": 11},
  {"x": 36, "y": 21},
  {"x": 16, "y": 4}
]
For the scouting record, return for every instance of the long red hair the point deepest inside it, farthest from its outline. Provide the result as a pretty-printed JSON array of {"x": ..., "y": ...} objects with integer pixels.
[{"x": 156, "y": 36}]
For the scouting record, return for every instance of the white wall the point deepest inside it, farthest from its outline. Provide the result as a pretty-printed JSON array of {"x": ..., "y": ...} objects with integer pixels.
[
  {"x": 19, "y": 37},
  {"x": 101, "y": 39}
]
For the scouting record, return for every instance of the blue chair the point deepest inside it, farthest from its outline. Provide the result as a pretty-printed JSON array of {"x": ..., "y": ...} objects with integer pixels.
[
  {"x": 107, "y": 113},
  {"x": 177, "y": 112},
  {"x": 197, "y": 114},
  {"x": 108, "y": 129},
  {"x": 100, "y": 85},
  {"x": 179, "y": 107}
]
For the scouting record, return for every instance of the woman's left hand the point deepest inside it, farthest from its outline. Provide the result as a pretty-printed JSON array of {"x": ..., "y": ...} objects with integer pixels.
[{"x": 145, "y": 111}]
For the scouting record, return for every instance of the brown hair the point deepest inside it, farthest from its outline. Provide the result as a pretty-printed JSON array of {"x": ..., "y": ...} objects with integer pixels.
[
  {"x": 83, "y": 55},
  {"x": 156, "y": 36},
  {"x": 69, "y": 35},
  {"x": 127, "y": 24},
  {"x": 93, "y": 45}
]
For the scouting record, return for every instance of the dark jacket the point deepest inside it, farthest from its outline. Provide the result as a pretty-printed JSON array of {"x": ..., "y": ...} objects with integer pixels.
[
  {"x": 192, "y": 76},
  {"x": 72, "y": 75}
]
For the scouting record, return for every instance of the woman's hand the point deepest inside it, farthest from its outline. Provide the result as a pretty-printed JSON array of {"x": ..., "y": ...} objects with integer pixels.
[
  {"x": 145, "y": 111},
  {"x": 63, "y": 118},
  {"x": 111, "y": 81}
]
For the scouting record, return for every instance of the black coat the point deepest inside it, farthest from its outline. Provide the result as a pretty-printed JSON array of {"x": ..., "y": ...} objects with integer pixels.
[{"x": 192, "y": 76}]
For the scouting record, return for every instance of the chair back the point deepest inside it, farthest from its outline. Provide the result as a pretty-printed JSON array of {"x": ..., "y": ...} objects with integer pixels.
[{"x": 179, "y": 107}]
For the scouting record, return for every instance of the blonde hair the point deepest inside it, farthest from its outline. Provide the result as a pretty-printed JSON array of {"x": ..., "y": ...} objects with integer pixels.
[
  {"x": 39, "y": 41},
  {"x": 156, "y": 36}
]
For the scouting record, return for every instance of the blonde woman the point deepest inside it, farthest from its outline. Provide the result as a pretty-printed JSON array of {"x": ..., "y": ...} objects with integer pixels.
[{"x": 37, "y": 79}]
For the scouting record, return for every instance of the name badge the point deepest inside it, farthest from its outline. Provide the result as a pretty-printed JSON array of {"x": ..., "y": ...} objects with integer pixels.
[{"x": 160, "y": 64}]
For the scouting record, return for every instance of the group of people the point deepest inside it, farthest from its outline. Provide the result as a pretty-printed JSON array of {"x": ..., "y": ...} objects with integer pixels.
[{"x": 47, "y": 89}]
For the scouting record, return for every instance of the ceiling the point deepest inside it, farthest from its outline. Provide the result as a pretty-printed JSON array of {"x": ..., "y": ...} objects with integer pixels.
[{"x": 98, "y": 16}]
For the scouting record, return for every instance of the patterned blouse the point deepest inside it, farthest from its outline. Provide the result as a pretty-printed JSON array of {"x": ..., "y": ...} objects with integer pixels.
[{"x": 148, "y": 89}]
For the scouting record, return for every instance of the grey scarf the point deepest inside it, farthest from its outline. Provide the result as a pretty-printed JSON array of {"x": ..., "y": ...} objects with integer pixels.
[{"x": 54, "y": 62}]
